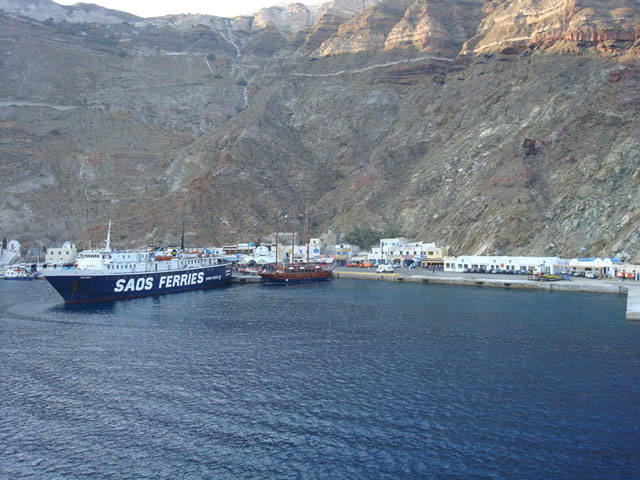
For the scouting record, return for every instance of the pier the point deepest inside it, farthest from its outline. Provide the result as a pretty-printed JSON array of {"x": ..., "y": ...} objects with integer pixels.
[
  {"x": 633, "y": 303},
  {"x": 239, "y": 278}
]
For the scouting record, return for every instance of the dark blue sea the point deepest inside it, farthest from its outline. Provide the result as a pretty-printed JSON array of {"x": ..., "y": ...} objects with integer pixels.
[{"x": 345, "y": 379}]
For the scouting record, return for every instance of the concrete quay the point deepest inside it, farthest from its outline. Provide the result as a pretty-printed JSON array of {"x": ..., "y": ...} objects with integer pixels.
[
  {"x": 507, "y": 281},
  {"x": 633, "y": 303},
  {"x": 239, "y": 278}
]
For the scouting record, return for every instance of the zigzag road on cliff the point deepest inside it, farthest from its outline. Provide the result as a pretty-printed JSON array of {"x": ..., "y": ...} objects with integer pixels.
[{"x": 364, "y": 69}]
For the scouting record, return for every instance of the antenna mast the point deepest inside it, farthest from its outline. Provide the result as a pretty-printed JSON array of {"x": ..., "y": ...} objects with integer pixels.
[{"x": 108, "y": 247}]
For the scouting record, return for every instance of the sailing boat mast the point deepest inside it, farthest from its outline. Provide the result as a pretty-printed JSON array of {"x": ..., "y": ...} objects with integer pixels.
[
  {"x": 293, "y": 233},
  {"x": 277, "y": 234},
  {"x": 308, "y": 240}
]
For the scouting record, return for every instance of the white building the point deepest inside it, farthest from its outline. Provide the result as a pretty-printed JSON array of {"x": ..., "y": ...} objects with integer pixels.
[
  {"x": 401, "y": 252},
  {"x": 265, "y": 254},
  {"x": 9, "y": 252},
  {"x": 551, "y": 265},
  {"x": 345, "y": 252},
  {"x": 385, "y": 252},
  {"x": 241, "y": 248},
  {"x": 603, "y": 266},
  {"x": 389, "y": 245},
  {"x": 315, "y": 247},
  {"x": 627, "y": 270},
  {"x": 375, "y": 256},
  {"x": 64, "y": 255}
]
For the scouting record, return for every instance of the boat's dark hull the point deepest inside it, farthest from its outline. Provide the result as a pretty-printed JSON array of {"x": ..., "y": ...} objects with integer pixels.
[
  {"x": 93, "y": 288},
  {"x": 278, "y": 277}
]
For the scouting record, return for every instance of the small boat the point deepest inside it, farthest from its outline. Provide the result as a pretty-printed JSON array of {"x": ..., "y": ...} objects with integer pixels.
[
  {"x": 18, "y": 272},
  {"x": 295, "y": 272}
]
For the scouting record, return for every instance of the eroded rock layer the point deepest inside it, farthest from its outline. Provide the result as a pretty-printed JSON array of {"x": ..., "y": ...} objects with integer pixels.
[{"x": 495, "y": 127}]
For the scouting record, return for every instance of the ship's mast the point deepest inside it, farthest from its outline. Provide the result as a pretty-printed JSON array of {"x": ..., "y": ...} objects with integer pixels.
[{"x": 108, "y": 247}]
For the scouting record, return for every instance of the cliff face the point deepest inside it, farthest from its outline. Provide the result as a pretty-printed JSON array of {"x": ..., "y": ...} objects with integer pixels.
[
  {"x": 495, "y": 127},
  {"x": 557, "y": 26}
]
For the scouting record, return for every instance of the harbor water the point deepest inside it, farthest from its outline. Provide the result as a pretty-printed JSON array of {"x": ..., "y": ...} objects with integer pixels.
[{"x": 343, "y": 379}]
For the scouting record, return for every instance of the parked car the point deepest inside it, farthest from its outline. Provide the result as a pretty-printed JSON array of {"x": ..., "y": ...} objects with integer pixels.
[{"x": 592, "y": 275}]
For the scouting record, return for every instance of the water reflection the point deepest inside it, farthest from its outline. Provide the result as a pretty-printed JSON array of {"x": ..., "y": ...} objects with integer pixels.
[{"x": 88, "y": 308}]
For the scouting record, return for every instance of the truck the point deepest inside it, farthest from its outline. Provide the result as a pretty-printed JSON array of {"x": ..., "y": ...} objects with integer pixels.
[{"x": 385, "y": 268}]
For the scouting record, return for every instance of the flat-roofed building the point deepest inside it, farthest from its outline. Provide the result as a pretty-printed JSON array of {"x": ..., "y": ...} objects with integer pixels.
[
  {"x": 550, "y": 265},
  {"x": 64, "y": 255}
]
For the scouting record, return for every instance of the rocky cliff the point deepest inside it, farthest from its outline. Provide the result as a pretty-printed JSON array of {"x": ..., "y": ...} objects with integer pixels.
[{"x": 496, "y": 127}]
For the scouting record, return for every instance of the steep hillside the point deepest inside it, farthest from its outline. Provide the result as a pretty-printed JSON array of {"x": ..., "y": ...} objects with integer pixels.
[{"x": 495, "y": 127}]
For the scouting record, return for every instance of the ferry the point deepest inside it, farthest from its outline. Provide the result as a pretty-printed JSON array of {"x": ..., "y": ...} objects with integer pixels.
[{"x": 107, "y": 274}]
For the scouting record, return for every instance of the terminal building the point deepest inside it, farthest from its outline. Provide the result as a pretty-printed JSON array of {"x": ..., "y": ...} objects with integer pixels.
[
  {"x": 400, "y": 252},
  {"x": 548, "y": 265}
]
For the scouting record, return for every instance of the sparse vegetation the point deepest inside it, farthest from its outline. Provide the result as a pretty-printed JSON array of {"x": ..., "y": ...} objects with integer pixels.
[
  {"x": 211, "y": 57},
  {"x": 392, "y": 231},
  {"x": 241, "y": 81},
  {"x": 363, "y": 237}
]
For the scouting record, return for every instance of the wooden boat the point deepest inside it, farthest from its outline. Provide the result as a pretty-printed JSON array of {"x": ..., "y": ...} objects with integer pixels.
[{"x": 295, "y": 272}]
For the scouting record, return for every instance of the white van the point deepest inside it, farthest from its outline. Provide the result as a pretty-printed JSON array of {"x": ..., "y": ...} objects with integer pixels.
[{"x": 384, "y": 268}]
